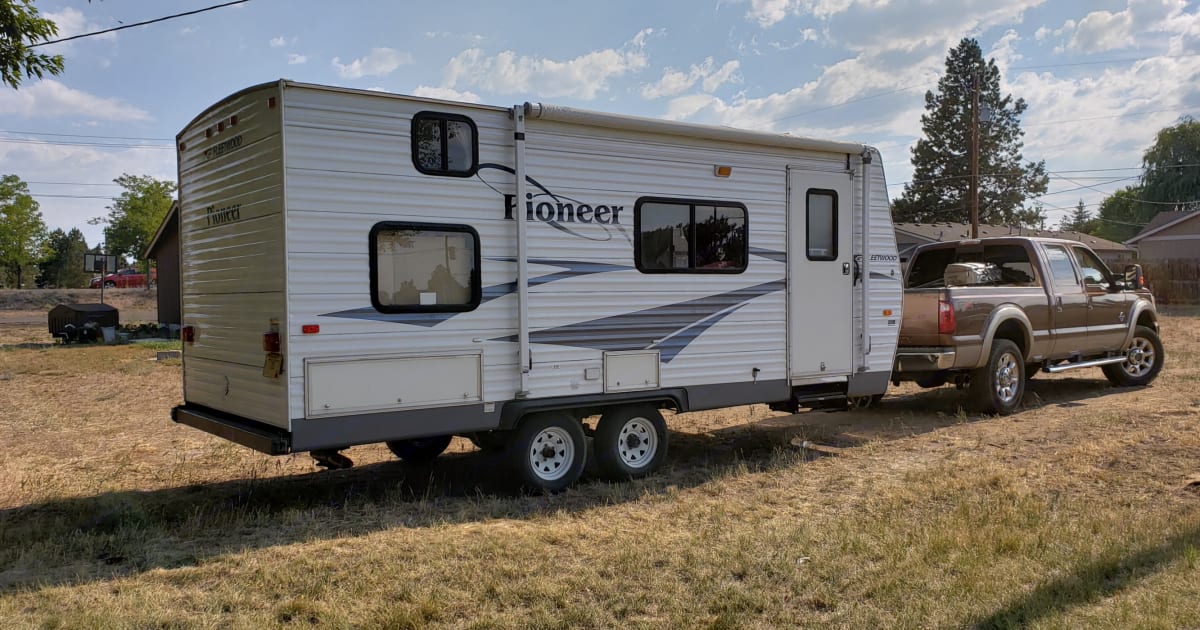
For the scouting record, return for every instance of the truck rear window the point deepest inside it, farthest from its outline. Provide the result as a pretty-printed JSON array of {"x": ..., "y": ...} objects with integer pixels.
[{"x": 928, "y": 268}]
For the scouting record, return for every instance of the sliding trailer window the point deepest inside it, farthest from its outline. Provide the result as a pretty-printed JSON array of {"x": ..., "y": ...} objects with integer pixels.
[
  {"x": 684, "y": 236},
  {"x": 445, "y": 144},
  {"x": 424, "y": 267}
]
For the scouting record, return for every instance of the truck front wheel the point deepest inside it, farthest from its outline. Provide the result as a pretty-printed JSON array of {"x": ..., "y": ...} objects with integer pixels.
[
  {"x": 1143, "y": 360},
  {"x": 998, "y": 386}
]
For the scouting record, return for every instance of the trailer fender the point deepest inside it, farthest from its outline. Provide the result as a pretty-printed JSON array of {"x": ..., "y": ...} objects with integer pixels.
[{"x": 593, "y": 404}]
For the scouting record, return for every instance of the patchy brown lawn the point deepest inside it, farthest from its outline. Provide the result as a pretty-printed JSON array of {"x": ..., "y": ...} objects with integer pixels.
[{"x": 1077, "y": 512}]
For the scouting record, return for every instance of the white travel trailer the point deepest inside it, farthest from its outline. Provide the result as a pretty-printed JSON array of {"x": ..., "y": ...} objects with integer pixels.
[{"x": 364, "y": 267}]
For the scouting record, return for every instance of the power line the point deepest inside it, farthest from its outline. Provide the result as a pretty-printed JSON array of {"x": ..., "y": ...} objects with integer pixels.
[
  {"x": 125, "y": 26},
  {"x": 70, "y": 184},
  {"x": 38, "y": 195},
  {"x": 86, "y": 144},
  {"x": 1152, "y": 111},
  {"x": 80, "y": 135},
  {"x": 1093, "y": 63}
]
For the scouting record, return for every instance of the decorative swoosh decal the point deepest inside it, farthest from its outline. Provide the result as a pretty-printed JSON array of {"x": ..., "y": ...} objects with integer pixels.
[{"x": 769, "y": 254}]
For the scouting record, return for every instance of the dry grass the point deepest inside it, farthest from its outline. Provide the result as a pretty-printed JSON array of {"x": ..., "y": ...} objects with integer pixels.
[{"x": 1073, "y": 513}]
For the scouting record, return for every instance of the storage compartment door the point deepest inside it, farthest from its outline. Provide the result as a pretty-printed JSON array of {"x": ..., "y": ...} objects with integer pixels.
[
  {"x": 630, "y": 371},
  {"x": 343, "y": 386}
]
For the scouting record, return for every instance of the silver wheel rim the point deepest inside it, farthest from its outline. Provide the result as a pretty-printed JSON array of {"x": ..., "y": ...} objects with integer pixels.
[
  {"x": 551, "y": 453},
  {"x": 1008, "y": 378},
  {"x": 1139, "y": 358},
  {"x": 637, "y": 443}
]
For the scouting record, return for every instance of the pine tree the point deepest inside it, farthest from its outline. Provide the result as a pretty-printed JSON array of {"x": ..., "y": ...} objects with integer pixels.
[
  {"x": 1080, "y": 220},
  {"x": 941, "y": 159},
  {"x": 63, "y": 265}
]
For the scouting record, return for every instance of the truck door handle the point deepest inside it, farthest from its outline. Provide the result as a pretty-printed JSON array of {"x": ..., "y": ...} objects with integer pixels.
[{"x": 1058, "y": 303}]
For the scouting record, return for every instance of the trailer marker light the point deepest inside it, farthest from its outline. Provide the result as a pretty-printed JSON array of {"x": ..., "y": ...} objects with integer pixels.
[
  {"x": 188, "y": 334},
  {"x": 233, "y": 120},
  {"x": 722, "y": 171},
  {"x": 183, "y": 146},
  {"x": 271, "y": 342},
  {"x": 887, "y": 312},
  {"x": 310, "y": 329},
  {"x": 271, "y": 103},
  {"x": 208, "y": 132}
]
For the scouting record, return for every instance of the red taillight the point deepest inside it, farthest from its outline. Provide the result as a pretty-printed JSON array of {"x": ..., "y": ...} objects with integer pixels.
[
  {"x": 945, "y": 318},
  {"x": 271, "y": 342},
  {"x": 188, "y": 334},
  {"x": 310, "y": 329}
]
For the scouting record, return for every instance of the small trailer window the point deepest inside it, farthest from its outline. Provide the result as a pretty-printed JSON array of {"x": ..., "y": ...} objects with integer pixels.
[
  {"x": 419, "y": 267},
  {"x": 821, "y": 226},
  {"x": 678, "y": 236},
  {"x": 445, "y": 144}
]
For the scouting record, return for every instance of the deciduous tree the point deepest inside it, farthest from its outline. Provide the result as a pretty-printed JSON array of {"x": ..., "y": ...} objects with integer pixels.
[
  {"x": 63, "y": 265},
  {"x": 21, "y": 27},
  {"x": 136, "y": 214},
  {"x": 22, "y": 230}
]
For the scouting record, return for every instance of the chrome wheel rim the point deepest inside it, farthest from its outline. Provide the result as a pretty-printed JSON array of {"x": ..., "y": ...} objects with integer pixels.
[
  {"x": 1139, "y": 358},
  {"x": 551, "y": 453},
  {"x": 1007, "y": 378},
  {"x": 637, "y": 443}
]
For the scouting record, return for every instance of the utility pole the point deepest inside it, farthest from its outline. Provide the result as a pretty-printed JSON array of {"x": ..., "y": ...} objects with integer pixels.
[{"x": 973, "y": 190}]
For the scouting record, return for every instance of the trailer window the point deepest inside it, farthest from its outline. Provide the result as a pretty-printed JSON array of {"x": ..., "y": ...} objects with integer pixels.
[
  {"x": 677, "y": 236},
  {"x": 821, "y": 226},
  {"x": 419, "y": 267},
  {"x": 445, "y": 144}
]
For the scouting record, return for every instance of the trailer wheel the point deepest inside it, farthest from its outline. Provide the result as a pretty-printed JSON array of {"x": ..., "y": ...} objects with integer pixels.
[
  {"x": 630, "y": 442},
  {"x": 547, "y": 451},
  {"x": 1143, "y": 360},
  {"x": 998, "y": 386},
  {"x": 420, "y": 450}
]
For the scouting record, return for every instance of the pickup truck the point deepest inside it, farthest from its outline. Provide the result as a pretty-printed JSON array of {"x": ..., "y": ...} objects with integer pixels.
[
  {"x": 125, "y": 279},
  {"x": 987, "y": 314}
]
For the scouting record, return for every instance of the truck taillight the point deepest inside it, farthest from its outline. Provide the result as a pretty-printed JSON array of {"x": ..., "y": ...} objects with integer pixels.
[
  {"x": 945, "y": 318},
  {"x": 188, "y": 334},
  {"x": 271, "y": 342}
]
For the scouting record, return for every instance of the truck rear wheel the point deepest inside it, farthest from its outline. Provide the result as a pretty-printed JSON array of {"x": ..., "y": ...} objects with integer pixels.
[
  {"x": 547, "y": 451},
  {"x": 998, "y": 386},
  {"x": 630, "y": 441},
  {"x": 1143, "y": 360},
  {"x": 420, "y": 450}
]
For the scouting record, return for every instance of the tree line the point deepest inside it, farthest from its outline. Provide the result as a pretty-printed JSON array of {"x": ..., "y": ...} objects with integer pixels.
[{"x": 31, "y": 254}]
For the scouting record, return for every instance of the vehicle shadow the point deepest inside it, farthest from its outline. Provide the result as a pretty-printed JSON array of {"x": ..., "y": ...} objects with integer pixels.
[
  {"x": 1090, "y": 582},
  {"x": 84, "y": 539}
]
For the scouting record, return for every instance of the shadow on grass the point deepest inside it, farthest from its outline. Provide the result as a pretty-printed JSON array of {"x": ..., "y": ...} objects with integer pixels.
[{"x": 1092, "y": 581}]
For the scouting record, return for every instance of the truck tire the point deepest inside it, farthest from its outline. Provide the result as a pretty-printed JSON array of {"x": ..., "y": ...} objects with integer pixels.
[
  {"x": 420, "y": 450},
  {"x": 1143, "y": 360},
  {"x": 998, "y": 386},
  {"x": 547, "y": 451},
  {"x": 630, "y": 442}
]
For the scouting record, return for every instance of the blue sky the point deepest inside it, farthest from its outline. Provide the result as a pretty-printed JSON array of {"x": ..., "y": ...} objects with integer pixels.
[{"x": 1100, "y": 77}]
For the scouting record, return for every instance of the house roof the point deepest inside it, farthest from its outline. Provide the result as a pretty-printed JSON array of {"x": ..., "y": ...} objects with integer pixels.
[
  {"x": 162, "y": 230},
  {"x": 1162, "y": 221},
  {"x": 933, "y": 232}
]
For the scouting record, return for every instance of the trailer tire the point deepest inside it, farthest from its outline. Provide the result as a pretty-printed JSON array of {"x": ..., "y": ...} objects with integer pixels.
[
  {"x": 547, "y": 451},
  {"x": 999, "y": 385},
  {"x": 630, "y": 442},
  {"x": 420, "y": 450},
  {"x": 1143, "y": 360}
]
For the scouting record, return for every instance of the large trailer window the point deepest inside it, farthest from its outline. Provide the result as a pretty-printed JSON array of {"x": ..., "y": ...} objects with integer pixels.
[
  {"x": 418, "y": 267},
  {"x": 680, "y": 236},
  {"x": 445, "y": 144}
]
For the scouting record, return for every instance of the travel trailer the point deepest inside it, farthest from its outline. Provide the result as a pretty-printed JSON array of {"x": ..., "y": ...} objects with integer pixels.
[{"x": 364, "y": 267}]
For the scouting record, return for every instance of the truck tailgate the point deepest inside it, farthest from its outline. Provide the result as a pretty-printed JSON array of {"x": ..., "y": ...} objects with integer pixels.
[{"x": 919, "y": 327}]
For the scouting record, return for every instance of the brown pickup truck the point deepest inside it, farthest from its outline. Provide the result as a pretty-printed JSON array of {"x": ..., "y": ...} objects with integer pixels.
[{"x": 987, "y": 314}]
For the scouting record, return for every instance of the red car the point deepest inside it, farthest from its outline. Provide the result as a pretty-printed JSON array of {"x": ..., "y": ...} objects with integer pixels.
[{"x": 126, "y": 278}]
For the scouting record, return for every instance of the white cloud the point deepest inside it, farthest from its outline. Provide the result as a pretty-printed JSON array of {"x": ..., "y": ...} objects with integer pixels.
[
  {"x": 50, "y": 99},
  {"x": 188, "y": 30},
  {"x": 294, "y": 59},
  {"x": 379, "y": 62},
  {"x": 1103, "y": 31},
  {"x": 675, "y": 82},
  {"x": 278, "y": 42},
  {"x": 1004, "y": 51},
  {"x": 446, "y": 94},
  {"x": 71, "y": 22},
  {"x": 582, "y": 77}
]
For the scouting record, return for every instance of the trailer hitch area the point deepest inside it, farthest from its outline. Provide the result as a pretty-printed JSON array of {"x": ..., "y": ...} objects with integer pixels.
[{"x": 331, "y": 459}]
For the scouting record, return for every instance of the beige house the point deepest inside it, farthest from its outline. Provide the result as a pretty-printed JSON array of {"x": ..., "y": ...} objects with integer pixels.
[
  {"x": 910, "y": 235},
  {"x": 1169, "y": 236}
]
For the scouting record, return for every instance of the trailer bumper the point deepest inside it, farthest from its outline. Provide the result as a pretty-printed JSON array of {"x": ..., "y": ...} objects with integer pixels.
[{"x": 260, "y": 437}]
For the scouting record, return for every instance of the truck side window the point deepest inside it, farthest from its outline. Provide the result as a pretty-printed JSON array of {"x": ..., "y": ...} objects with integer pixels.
[
  {"x": 444, "y": 144},
  {"x": 1060, "y": 266},
  {"x": 1092, "y": 268},
  {"x": 423, "y": 267},
  {"x": 821, "y": 228},
  {"x": 681, "y": 236}
]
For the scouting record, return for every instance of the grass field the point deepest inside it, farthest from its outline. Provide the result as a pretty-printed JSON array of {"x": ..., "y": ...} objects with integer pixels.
[{"x": 1082, "y": 510}]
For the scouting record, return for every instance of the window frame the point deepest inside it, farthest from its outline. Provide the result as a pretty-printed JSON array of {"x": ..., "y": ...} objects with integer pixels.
[
  {"x": 1054, "y": 280},
  {"x": 691, "y": 204},
  {"x": 808, "y": 225},
  {"x": 1079, "y": 252},
  {"x": 373, "y": 264},
  {"x": 443, "y": 118}
]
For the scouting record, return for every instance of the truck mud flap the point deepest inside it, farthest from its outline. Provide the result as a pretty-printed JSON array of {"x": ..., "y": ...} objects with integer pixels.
[{"x": 260, "y": 437}]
